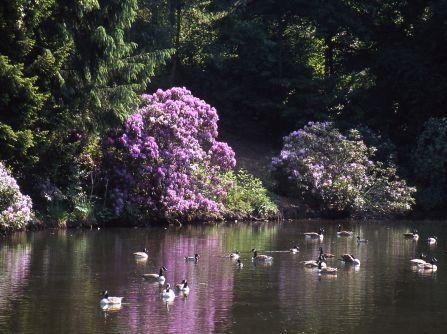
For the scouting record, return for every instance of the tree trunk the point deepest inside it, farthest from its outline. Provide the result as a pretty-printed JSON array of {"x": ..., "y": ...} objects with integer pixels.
[
  {"x": 176, "y": 22},
  {"x": 328, "y": 57}
]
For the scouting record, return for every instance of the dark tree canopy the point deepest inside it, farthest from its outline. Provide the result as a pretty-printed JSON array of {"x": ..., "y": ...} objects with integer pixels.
[{"x": 72, "y": 70}]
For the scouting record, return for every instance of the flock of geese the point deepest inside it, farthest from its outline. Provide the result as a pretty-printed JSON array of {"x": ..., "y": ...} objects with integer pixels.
[
  {"x": 114, "y": 303},
  {"x": 168, "y": 294}
]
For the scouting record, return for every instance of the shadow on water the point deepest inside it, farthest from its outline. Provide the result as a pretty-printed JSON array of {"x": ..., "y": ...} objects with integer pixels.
[{"x": 50, "y": 281}]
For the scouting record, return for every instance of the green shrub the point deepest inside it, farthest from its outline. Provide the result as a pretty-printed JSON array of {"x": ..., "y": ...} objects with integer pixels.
[
  {"x": 83, "y": 209},
  {"x": 247, "y": 196}
]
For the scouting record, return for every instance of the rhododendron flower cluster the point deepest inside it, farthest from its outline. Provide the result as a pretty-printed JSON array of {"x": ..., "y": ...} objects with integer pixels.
[
  {"x": 338, "y": 173},
  {"x": 167, "y": 161},
  {"x": 15, "y": 208}
]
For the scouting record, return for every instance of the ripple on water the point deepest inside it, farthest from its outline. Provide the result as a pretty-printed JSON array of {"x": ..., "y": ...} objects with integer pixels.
[{"x": 51, "y": 282}]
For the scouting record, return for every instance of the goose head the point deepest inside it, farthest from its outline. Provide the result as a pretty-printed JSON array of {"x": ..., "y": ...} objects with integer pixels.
[
  {"x": 196, "y": 256},
  {"x": 433, "y": 260},
  {"x": 105, "y": 294},
  {"x": 168, "y": 286},
  {"x": 145, "y": 250},
  {"x": 320, "y": 231},
  {"x": 339, "y": 227}
]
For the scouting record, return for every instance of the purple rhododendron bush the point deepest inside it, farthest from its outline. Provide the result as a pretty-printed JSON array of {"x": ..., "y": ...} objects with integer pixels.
[
  {"x": 338, "y": 174},
  {"x": 166, "y": 163},
  {"x": 15, "y": 208}
]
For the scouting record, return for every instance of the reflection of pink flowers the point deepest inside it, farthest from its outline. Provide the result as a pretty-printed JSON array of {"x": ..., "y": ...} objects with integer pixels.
[
  {"x": 209, "y": 301},
  {"x": 16, "y": 267}
]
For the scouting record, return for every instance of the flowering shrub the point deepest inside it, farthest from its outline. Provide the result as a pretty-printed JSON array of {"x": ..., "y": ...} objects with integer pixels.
[
  {"x": 166, "y": 162},
  {"x": 430, "y": 164},
  {"x": 15, "y": 208},
  {"x": 337, "y": 173}
]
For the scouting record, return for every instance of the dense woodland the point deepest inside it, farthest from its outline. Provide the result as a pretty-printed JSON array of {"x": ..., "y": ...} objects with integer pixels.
[{"x": 72, "y": 71}]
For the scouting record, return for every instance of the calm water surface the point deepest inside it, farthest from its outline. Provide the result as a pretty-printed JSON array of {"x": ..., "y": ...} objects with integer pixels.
[{"x": 50, "y": 281}]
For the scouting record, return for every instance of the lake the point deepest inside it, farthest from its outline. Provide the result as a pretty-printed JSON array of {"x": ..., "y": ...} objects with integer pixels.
[{"x": 50, "y": 281}]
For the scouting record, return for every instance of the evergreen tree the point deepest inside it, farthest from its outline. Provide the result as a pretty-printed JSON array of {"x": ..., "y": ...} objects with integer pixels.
[{"x": 106, "y": 72}]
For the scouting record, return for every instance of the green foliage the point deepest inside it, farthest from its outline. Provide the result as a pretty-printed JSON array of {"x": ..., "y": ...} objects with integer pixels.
[
  {"x": 109, "y": 69},
  {"x": 430, "y": 164},
  {"x": 70, "y": 70},
  {"x": 20, "y": 103},
  {"x": 83, "y": 209},
  {"x": 247, "y": 196}
]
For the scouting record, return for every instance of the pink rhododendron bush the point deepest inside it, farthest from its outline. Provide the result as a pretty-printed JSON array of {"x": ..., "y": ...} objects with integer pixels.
[
  {"x": 338, "y": 174},
  {"x": 15, "y": 208},
  {"x": 166, "y": 163}
]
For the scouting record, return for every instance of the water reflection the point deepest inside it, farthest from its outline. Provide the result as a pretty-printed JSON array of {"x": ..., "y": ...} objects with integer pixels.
[
  {"x": 51, "y": 281},
  {"x": 15, "y": 259}
]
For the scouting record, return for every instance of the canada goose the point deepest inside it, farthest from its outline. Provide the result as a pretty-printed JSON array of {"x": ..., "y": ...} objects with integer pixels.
[
  {"x": 315, "y": 235},
  {"x": 294, "y": 249},
  {"x": 429, "y": 266},
  {"x": 361, "y": 241},
  {"x": 313, "y": 263},
  {"x": 192, "y": 258},
  {"x": 326, "y": 255},
  {"x": 141, "y": 255},
  {"x": 185, "y": 288},
  {"x": 350, "y": 259},
  {"x": 168, "y": 293},
  {"x": 235, "y": 255},
  {"x": 412, "y": 235},
  {"x": 432, "y": 240},
  {"x": 326, "y": 270},
  {"x": 111, "y": 307},
  {"x": 106, "y": 300},
  {"x": 239, "y": 264},
  {"x": 418, "y": 261},
  {"x": 321, "y": 261},
  {"x": 342, "y": 233},
  {"x": 180, "y": 285},
  {"x": 156, "y": 277},
  {"x": 260, "y": 258}
]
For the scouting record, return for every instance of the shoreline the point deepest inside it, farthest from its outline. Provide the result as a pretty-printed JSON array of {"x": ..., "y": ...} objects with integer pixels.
[{"x": 36, "y": 227}]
